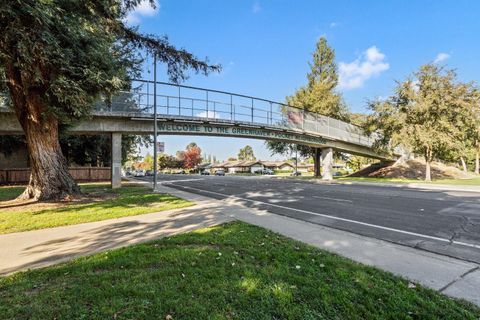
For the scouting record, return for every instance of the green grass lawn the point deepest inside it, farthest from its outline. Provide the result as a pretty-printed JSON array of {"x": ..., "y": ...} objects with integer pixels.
[
  {"x": 233, "y": 271},
  {"x": 105, "y": 204},
  {"x": 10, "y": 192}
]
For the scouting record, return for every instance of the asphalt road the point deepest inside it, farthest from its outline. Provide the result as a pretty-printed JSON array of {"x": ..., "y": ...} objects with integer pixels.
[{"x": 439, "y": 221}]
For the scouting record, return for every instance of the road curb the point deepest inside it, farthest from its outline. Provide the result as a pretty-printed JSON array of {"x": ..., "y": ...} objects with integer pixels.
[{"x": 432, "y": 187}]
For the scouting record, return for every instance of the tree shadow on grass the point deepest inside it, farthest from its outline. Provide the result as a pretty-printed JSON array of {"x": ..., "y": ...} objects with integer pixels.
[
  {"x": 126, "y": 231},
  {"x": 133, "y": 201}
]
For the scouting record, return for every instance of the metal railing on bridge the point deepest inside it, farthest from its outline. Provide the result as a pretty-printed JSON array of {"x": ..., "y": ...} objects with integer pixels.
[
  {"x": 180, "y": 101},
  {"x": 213, "y": 105}
]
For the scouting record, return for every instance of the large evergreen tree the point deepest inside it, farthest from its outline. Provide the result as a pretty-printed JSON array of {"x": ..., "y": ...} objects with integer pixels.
[
  {"x": 318, "y": 95},
  {"x": 56, "y": 58}
]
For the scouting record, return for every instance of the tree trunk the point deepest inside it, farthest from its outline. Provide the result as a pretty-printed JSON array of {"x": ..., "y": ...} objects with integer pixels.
[
  {"x": 464, "y": 165},
  {"x": 428, "y": 174},
  {"x": 428, "y": 160},
  {"x": 477, "y": 161},
  {"x": 316, "y": 162},
  {"x": 49, "y": 178}
]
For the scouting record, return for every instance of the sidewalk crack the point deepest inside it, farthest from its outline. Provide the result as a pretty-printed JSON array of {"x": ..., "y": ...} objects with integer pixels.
[{"x": 459, "y": 278}]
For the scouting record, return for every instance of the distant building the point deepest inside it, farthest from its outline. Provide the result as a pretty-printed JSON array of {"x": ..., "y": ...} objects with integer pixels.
[
  {"x": 305, "y": 167},
  {"x": 239, "y": 166},
  {"x": 246, "y": 166},
  {"x": 278, "y": 165},
  {"x": 204, "y": 167}
]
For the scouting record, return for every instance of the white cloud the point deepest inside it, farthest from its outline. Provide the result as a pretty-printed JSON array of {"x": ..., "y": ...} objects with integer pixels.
[
  {"x": 209, "y": 114},
  {"x": 256, "y": 8},
  {"x": 333, "y": 24},
  {"x": 370, "y": 64},
  {"x": 144, "y": 9},
  {"x": 381, "y": 98},
  {"x": 132, "y": 19},
  {"x": 442, "y": 56}
]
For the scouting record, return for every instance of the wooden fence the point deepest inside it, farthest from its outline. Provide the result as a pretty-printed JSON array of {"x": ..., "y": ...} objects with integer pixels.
[{"x": 81, "y": 174}]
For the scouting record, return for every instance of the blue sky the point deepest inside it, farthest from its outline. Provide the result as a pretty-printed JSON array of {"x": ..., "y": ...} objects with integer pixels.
[{"x": 264, "y": 46}]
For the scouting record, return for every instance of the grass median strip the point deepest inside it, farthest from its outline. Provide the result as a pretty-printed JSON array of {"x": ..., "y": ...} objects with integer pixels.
[
  {"x": 100, "y": 203},
  {"x": 459, "y": 182},
  {"x": 232, "y": 271}
]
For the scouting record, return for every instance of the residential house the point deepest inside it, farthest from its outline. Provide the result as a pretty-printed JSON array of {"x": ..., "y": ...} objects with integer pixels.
[
  {"x": 305, "y": 167},
  {"x": 204, "y": 167},
  {"x": 278, "y": 165},
  {"x": 239, "y": 166}
]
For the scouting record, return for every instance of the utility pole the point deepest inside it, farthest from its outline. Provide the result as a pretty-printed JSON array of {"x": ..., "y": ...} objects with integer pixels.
[{"x": 154, "y": 122}]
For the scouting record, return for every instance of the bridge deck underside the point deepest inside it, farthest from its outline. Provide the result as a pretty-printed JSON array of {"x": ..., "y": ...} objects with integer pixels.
[{"x": 141, "y": 124}]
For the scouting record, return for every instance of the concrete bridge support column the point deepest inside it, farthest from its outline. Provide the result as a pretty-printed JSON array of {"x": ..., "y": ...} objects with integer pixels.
[
  {"x": 316, "y": 162},
  {"x": 327, "y": 164},
  {"x": 116, "y": 165}
]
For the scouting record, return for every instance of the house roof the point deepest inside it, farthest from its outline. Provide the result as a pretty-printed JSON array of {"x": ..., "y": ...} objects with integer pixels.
[
  {"x": 204, "y": 166},
  {"x": 248, "y": 163},
  {"x": 276, "y": 163},
  {"x": 236, "y": 163}
]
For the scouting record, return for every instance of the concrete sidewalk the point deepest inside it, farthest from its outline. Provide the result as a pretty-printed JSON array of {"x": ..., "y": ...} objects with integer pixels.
[
  {"x": 33, "y": 249},
  {"x": 40, "y": 248}
]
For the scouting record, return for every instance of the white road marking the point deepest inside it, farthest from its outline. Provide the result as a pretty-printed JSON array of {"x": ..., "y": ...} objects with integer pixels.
[
  {"x": 184, "y": 180},
  {"x": 460, "y": 243},
  {"x": 333, "y": 199}
]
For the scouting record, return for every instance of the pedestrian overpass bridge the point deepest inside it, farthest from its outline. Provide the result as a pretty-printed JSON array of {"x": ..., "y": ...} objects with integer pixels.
[{"x": 186, "y": 110}]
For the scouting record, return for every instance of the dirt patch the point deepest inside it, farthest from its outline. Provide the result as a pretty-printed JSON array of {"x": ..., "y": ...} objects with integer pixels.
[
  {"x": 412, "y": 169},
  {"x": 374, "y": 167}
]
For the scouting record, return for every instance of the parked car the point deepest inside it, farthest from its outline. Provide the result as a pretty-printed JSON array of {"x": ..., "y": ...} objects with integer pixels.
[
  {"x": 205, "y": 173},
  {"x": 220, "y": 173},
  {"x": 180, "y": 172},
  {"x": 267, "y": 171},
  {"x": 337, "y": 174},
  {"x": 149, "y": 173},
  {"x": 263, "y": 171},
  {"x": 295, "y": 174},
  {"x": 139, "y": 173}
]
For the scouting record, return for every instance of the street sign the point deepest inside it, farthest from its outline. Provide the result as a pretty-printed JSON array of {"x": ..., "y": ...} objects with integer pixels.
[{"x": 160, "y": 146}]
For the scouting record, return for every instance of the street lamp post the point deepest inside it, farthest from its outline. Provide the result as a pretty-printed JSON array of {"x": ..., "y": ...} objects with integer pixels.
[{"x": 154, "y": 122}]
